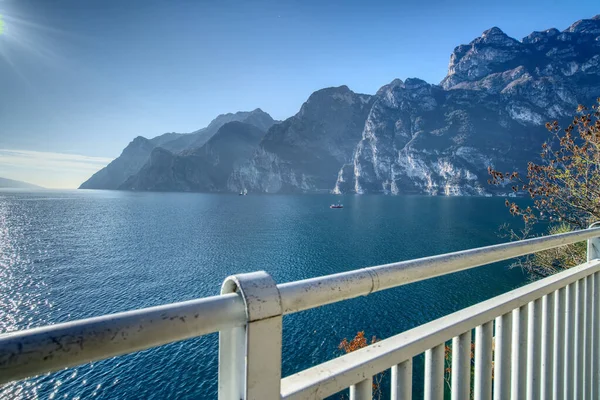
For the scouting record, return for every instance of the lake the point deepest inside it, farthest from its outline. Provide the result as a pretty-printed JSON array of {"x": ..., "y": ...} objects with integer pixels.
[{"x": 68, "y": 255}]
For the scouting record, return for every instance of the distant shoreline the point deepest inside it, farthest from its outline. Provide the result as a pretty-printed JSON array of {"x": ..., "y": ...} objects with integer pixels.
[{"x": 6, "y": 183}]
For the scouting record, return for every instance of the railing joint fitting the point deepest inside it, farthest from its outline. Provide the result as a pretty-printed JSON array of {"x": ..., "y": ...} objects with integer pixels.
[{"x": 259, "y": 292}]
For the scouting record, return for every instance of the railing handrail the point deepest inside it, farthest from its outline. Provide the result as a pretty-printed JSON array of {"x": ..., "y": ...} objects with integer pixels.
[
  {"x": 335, "y": 375},
  {"x": 50, "y": 348},
  {"x": 315, "y": 292}
]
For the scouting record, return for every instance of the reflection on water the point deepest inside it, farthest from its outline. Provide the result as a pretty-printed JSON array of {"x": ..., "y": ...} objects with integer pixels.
[{"x": 23, "y": 301}]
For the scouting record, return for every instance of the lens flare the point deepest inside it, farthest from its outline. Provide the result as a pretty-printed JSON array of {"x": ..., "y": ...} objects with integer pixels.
[{"x": 24, "y": 41}]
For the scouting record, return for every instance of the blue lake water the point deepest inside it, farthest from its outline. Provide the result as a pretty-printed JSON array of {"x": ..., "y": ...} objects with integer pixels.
[{"x": 67, "y": 255}]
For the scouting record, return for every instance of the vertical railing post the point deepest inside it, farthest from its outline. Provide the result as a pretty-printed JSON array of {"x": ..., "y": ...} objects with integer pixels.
[
  {"x": 569, "y": 351},
  {"x": 593, "y": 252},
  {"x": 250, "y": 356},
  {"x": 519, "y": 353},
  {"x": 483, "y": 361},
  {"x": 593, "y": 245},
  {"x": 587, "y": 352},
  {"x": 402, "y": 380},
  {"x": 461, "y": 366},
  {"x": 579, "y": 338},
  {"x": 502, "y": 357},
  {"x": 434, "y": 373},
  {"x": 558, "y": 370},
  {"x": 547, "y": 338},
  {"x": 363, "y": 390},
  {"x": 596, "y": 339},
  {"x": 534, "y": 346}
]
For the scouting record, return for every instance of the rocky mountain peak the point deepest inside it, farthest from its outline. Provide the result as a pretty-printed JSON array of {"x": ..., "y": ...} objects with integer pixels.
[
  {"x": 486, "y": 63},
  {"x": 138, "y": 143},
  {"x": 586, "y": 26},
  {"x": 139, "y": 139},
  {"x": 415, "y": 83},
  {"x": 222, "y": 119},
  {"x": 325, "y": 99},
  {"x": 330, "y": 92},
  {"x": 396, "y": 82},
  {"x": 495, "y": 36},
  {"x": 259, "y": 119},
  {"x": 535, "y": 37},
  {"x": 493, "y": 31},
  {"x": 410, "y": 94},
  {"x": 489, "y": 53}
]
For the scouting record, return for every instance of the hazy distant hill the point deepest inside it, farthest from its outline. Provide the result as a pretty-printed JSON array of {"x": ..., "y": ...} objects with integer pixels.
[
  {"x": 204, "y": 169},
  {"x": 138, "y": 152},
  {"x": 10, "y": 183}
]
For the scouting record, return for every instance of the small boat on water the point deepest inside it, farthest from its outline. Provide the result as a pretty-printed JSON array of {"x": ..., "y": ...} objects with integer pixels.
[
  {"x": 244, "y": 192},
  {"x": 338, "y": 205}
]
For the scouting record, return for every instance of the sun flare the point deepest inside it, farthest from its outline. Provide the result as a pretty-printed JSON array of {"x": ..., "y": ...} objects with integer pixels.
[{"x": 22, "y": 38}]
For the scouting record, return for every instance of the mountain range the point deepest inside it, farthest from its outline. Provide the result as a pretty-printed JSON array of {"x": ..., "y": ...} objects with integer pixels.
[
  {"x": 139, "y": 152},
  {"x": 409, "y": 137}
]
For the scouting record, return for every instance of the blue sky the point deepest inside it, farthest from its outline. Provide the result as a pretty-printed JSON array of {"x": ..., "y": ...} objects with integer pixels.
[{"x": 83, "y": 78}]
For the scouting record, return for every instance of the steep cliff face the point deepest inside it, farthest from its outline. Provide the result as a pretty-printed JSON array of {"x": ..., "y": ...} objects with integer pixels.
[
  {"x": 488, "y": 111},
  {"x": 204, "y": 169},
  {"x": 137, "y": 153},
  {"x": 304, "y": 153},
  {"x": 419, "y": 138}
]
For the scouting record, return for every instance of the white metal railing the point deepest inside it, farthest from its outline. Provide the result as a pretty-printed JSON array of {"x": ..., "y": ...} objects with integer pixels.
[{"x": 538, "y": 341}]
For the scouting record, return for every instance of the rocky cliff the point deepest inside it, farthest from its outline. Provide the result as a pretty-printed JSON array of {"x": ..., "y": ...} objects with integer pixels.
[
  {"x": 304, "y": 152},
  {"x": 488, "y": 111}
]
